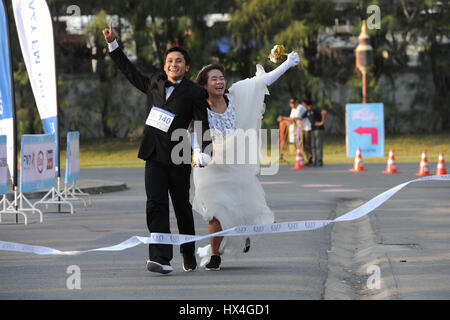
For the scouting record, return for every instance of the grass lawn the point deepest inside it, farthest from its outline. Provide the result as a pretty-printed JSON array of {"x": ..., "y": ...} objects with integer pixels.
[
  {"x": 407, "y": 148},
  {"x": 108, "y": 154}
]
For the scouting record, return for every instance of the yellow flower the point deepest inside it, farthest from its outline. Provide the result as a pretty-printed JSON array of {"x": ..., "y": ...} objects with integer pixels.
[{"x": 276, "y": 53}]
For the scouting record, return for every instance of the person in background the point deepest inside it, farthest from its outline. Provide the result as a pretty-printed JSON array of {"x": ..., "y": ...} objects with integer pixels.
[
  {"x": 294, "y": 117},
  {"x": 317, "y": 118},
  {"x": 306, "y": 136}
]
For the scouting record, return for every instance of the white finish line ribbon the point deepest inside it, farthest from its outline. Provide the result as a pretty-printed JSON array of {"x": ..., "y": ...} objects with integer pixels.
[{"x": 178, "y": 239}]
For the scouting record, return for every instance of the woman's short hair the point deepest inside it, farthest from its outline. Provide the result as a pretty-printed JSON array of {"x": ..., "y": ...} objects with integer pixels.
[{"x": 202, "y": 76}]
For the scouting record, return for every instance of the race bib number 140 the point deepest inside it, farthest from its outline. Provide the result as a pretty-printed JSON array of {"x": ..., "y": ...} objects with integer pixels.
[{"x": 160, "y": 119}]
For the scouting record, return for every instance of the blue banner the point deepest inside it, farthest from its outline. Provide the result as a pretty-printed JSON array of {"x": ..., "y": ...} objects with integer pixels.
[
  {"x": 35, "y": 31},
  {"x": 72, "y": 157},
  {"x": 6, "y": 104},
  {"x": 365, "y": 129}
]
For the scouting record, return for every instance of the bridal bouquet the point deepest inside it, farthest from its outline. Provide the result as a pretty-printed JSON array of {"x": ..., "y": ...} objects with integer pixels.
[{"x": 278, "y": 51}]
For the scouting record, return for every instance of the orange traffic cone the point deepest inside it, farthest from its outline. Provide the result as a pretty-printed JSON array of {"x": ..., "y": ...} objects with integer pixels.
[
  {"x": 298, "y": 161},
  {"x": 391, "y": 167},
  {"x": 358, "y": 165},
  {"x": 424, "y": 169},
  {"x": 441, "y": 165}
]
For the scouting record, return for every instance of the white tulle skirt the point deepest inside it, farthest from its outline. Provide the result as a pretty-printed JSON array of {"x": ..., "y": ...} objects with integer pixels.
[{"x": 233, "y": 195}]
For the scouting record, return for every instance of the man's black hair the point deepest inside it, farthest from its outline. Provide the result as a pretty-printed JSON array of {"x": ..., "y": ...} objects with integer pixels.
[
  {"x": 182, "y": 50},
  {"x": 307, "y": 102}
]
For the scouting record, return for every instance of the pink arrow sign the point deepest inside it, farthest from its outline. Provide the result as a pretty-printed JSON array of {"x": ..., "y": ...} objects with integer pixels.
[{"x": 369, "y": 130}]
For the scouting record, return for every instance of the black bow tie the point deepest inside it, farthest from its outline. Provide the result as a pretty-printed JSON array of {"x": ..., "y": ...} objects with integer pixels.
[{"x": 168, "y": 84}]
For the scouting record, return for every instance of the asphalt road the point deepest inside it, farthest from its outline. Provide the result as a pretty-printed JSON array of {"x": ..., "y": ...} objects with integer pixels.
[{"x": 405, "y": 244}]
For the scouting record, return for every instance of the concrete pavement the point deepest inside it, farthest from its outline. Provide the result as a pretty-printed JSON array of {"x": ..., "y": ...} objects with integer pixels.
[{"x": 406, "y": 242}]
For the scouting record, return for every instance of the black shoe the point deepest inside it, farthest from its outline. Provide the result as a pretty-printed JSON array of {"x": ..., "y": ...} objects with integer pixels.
[
  {"x": 154, "y": 266},
  {"x": 189, "y": 263},
  {"x": 309, "y": 164},
  {"x": 320, "y": 164},
  {"x": 247, "y": 245},
  {"x": 214, "y": 264}
]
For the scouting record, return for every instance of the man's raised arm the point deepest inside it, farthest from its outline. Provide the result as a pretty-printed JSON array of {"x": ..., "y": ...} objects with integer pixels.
[{"x": 136, "y": 78}]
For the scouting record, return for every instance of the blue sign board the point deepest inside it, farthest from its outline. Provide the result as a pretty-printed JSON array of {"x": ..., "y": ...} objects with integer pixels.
[
  {"x": 365, "y": 129},
  {"x": 37, "y": 170},
  {"x": 72, "y": 157}
]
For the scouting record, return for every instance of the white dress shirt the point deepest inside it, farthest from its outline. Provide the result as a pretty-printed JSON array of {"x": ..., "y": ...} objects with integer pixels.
[{"x": 306, "y": 122}]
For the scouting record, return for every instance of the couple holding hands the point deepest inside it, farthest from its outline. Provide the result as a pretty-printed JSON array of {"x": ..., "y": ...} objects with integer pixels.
[{"x": 226, "y": 195}]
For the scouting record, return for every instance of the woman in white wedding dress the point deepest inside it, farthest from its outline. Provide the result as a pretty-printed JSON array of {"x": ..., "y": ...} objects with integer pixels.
[{"x": 230, "y": 194}]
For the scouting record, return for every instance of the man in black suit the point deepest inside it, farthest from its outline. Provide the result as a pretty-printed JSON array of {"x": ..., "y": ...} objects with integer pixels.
[
  {"x": 173, "y": 102},
  {"x": 317, "y": 118}
]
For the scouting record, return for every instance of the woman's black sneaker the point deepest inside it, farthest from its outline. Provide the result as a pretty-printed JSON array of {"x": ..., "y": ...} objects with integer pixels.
[{"x": 214, "y": 264}]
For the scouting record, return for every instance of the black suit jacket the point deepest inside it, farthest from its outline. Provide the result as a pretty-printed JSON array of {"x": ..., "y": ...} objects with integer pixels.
[{"x": 187, "y": 102}]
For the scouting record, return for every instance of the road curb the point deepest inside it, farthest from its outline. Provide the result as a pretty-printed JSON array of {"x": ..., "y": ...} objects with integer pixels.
[{"x": 353, "y": 256}]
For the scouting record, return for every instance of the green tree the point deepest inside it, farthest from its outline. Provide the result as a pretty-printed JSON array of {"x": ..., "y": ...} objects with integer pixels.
[
  {"x": 147, "y": 29},
  {"x": 257, "y": 25},
  {"x": 433, "y": 24}
]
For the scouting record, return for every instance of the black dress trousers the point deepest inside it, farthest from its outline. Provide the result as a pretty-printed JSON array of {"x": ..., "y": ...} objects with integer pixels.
[{"x": 160, "y": 181}]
